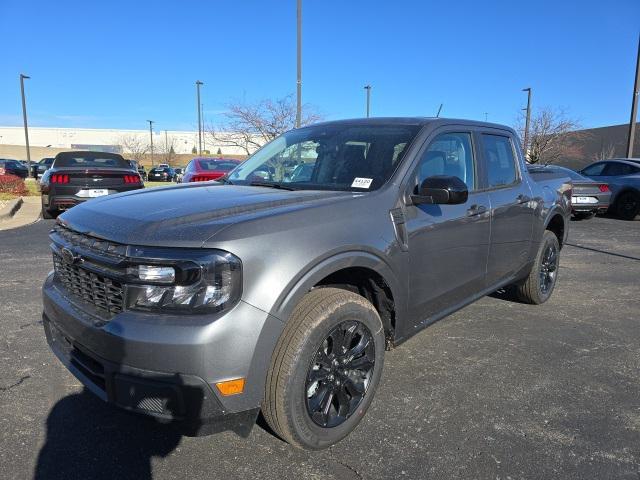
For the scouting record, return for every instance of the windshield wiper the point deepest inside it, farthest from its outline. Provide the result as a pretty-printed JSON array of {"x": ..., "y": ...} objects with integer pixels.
[{"x": 271, "y": 185}]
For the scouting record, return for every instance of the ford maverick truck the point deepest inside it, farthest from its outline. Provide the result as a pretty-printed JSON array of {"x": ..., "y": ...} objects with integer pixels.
[{"x": 279, "y": 287}]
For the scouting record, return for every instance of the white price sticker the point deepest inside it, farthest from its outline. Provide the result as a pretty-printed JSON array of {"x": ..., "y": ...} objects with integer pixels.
[{"x": 359, "y": 182}]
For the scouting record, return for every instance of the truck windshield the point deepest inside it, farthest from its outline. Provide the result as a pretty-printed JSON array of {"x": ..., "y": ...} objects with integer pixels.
[{"x": 329, "y": 157}]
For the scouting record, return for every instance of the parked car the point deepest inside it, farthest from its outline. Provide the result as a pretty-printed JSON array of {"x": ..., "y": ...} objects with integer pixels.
[
  {"x": 204, "y": 304},
  {"x": 14, "y": 167},
  {"x": 623, "y": 178},
  {"x": 38, "y": 169},
  {"x": 588, "y": 196},
  {"x": 161, "y": 174},
  {"x": 138, "y": 167},
  {"x": 206, "y": 169},
  {"x": 76, "y": 177},
  {"x": 179, "y": 174}
]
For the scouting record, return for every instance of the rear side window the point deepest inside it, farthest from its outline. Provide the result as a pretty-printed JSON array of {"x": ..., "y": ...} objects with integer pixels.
[
  {"x": 500, "y": 162},
  {"x": 449, "y": 154},
  {"x": 615, "y": 169}
]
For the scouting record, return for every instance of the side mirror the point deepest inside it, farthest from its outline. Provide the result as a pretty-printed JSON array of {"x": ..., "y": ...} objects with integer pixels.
[{"x": 441, "y": 189}]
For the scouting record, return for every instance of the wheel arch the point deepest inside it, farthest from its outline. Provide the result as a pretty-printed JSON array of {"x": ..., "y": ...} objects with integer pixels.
[
  {"x": 556, "y": 223},
  {"x": 358, "y": 271}
]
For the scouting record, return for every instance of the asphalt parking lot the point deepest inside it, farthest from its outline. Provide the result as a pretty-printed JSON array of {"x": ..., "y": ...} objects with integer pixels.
[{"x": 497, "y": 390}]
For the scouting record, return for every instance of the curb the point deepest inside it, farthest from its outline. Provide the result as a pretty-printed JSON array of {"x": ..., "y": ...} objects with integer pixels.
[{"x": 10, "y": 210}]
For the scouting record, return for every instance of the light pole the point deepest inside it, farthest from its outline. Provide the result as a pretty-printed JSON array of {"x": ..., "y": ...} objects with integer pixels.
[
  {"x": 198, "y": 83},
  {"x": 24, "y": 118},
  {"x": 528, "y": 120},
  {"x": 299, "y": 65},
  {"x": 634, "y": 107},
  {"x": 368, "y": 89},
  {"x": 151, "y": 137}
]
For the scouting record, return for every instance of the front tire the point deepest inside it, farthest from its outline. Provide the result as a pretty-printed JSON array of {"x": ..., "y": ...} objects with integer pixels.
[
  {"x": 325, "y": 369},
  {"x": 541, "y": 281}
]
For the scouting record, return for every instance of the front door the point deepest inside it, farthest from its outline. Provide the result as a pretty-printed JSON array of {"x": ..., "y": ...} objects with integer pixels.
[{"x": 448, "y": 244}]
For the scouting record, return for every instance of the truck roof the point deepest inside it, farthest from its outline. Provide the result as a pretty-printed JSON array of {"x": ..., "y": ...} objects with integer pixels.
[{"x": 412, "y": 121}]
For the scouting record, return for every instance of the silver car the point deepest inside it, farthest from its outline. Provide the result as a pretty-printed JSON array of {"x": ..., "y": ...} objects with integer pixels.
[
  {"x": 588, "y": 196},
  {"x": 623, "y": 178}
]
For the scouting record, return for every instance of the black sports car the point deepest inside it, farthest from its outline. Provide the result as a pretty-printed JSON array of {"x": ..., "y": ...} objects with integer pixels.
[{"x": 76, "y": 177}]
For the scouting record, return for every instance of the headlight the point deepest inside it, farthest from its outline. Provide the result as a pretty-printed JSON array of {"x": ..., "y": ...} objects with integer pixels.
[{"x": 184, "y": 280}]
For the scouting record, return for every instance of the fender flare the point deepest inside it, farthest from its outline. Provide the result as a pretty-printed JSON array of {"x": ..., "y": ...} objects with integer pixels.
[{"x": 317, "y": 270}]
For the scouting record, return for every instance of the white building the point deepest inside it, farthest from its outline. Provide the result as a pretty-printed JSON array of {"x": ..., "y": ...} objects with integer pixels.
[{"x": 110, "y": 140}]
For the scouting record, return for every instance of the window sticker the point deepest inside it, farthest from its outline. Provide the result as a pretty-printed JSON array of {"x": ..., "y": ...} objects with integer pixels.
[{"x": 359, "y": 182}]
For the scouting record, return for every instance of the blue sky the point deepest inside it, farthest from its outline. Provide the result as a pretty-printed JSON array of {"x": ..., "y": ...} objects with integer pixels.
[{"x": 115, "y": 64}]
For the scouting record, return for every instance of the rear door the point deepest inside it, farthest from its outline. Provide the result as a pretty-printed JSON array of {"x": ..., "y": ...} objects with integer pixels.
[
  {"x": 512, "y": 209},
  {"x": 447, "y": 244}
]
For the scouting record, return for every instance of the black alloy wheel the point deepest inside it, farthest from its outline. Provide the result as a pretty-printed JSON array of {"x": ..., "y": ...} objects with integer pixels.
[
  {"x": 548, "y": 268},
  {"x": 339, "y": 374}
]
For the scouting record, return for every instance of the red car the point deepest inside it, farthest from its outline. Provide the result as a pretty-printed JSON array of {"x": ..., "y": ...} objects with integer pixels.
[{"x": 205, "y": 169}]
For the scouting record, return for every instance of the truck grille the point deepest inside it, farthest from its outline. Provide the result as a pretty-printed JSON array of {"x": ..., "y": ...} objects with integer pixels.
[{"x": 97, "y": 290}]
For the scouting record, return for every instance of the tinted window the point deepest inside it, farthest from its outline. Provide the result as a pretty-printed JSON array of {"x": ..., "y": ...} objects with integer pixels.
[
  {"x": 449, "y": 154},
  {"x": 501, "y": 165},
  {"x": 91, "y": 160},
  {"x": 594, "y": 170},
  {"x": 615, "y": 169}
]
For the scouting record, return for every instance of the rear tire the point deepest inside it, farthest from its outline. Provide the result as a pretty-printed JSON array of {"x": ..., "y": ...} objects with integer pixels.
[
  {"x": 627, "y": 205},
  {"x": 325, "y": 369},
  {"x": 48, "y": 214},
  {"x": 541, "y": 281}
]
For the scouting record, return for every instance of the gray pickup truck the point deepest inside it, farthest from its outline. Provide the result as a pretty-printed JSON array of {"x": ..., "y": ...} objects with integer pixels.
[{"x": 204, "y": 304}]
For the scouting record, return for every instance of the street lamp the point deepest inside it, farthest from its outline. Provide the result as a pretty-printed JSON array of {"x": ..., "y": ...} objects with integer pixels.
[
  {"x": 151, "y": 122},
  {"x": 299, "y": 64},
  {"x": 24, "y": 118},
  {"x": 634, "y": 107},
  {"x": 368, "y": 89},
  {"x": 198, "y": 83},
  {"x": 528, "y": 120}
]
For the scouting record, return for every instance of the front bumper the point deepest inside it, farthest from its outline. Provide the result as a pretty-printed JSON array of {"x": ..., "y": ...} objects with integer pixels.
[{"x": 166, "y": 367}]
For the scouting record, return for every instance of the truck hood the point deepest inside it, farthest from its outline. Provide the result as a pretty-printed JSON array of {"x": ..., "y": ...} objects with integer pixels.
[{"x": 188, "y": 215}]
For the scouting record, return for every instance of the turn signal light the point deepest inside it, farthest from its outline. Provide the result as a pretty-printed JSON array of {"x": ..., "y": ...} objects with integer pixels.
[
  {"x": 604, "y": 187},
  {"x": 131, "y": 179},
  {"x": 231, "y": 387},
  {"x": 59, "y": 178}
]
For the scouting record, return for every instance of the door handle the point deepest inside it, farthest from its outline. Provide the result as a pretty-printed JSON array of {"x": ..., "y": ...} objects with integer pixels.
[
  {"x": 522, "y": 198},
  {"x": 476, "y": 210}
]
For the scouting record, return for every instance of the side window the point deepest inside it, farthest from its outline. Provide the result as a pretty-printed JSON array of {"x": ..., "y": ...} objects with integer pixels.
[
  {"x": 615, "y": 169},
  {"x": 501, "y": 165},
  {"x": 449, "y": 154},
  {"x": 594, "y": 170}
]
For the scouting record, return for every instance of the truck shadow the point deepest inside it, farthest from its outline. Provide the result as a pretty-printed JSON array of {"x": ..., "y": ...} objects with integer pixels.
[{"x": 89, "y": 439}]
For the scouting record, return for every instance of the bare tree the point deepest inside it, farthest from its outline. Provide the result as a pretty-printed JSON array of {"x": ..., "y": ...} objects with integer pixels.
[
  {"x": 134, "y": 145},
  {"x": 248, "y": 126},
  {"x": 166, "y": 149},
  {"x": 606, "y": 152},
  {"x": 552, "y": 136}
]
